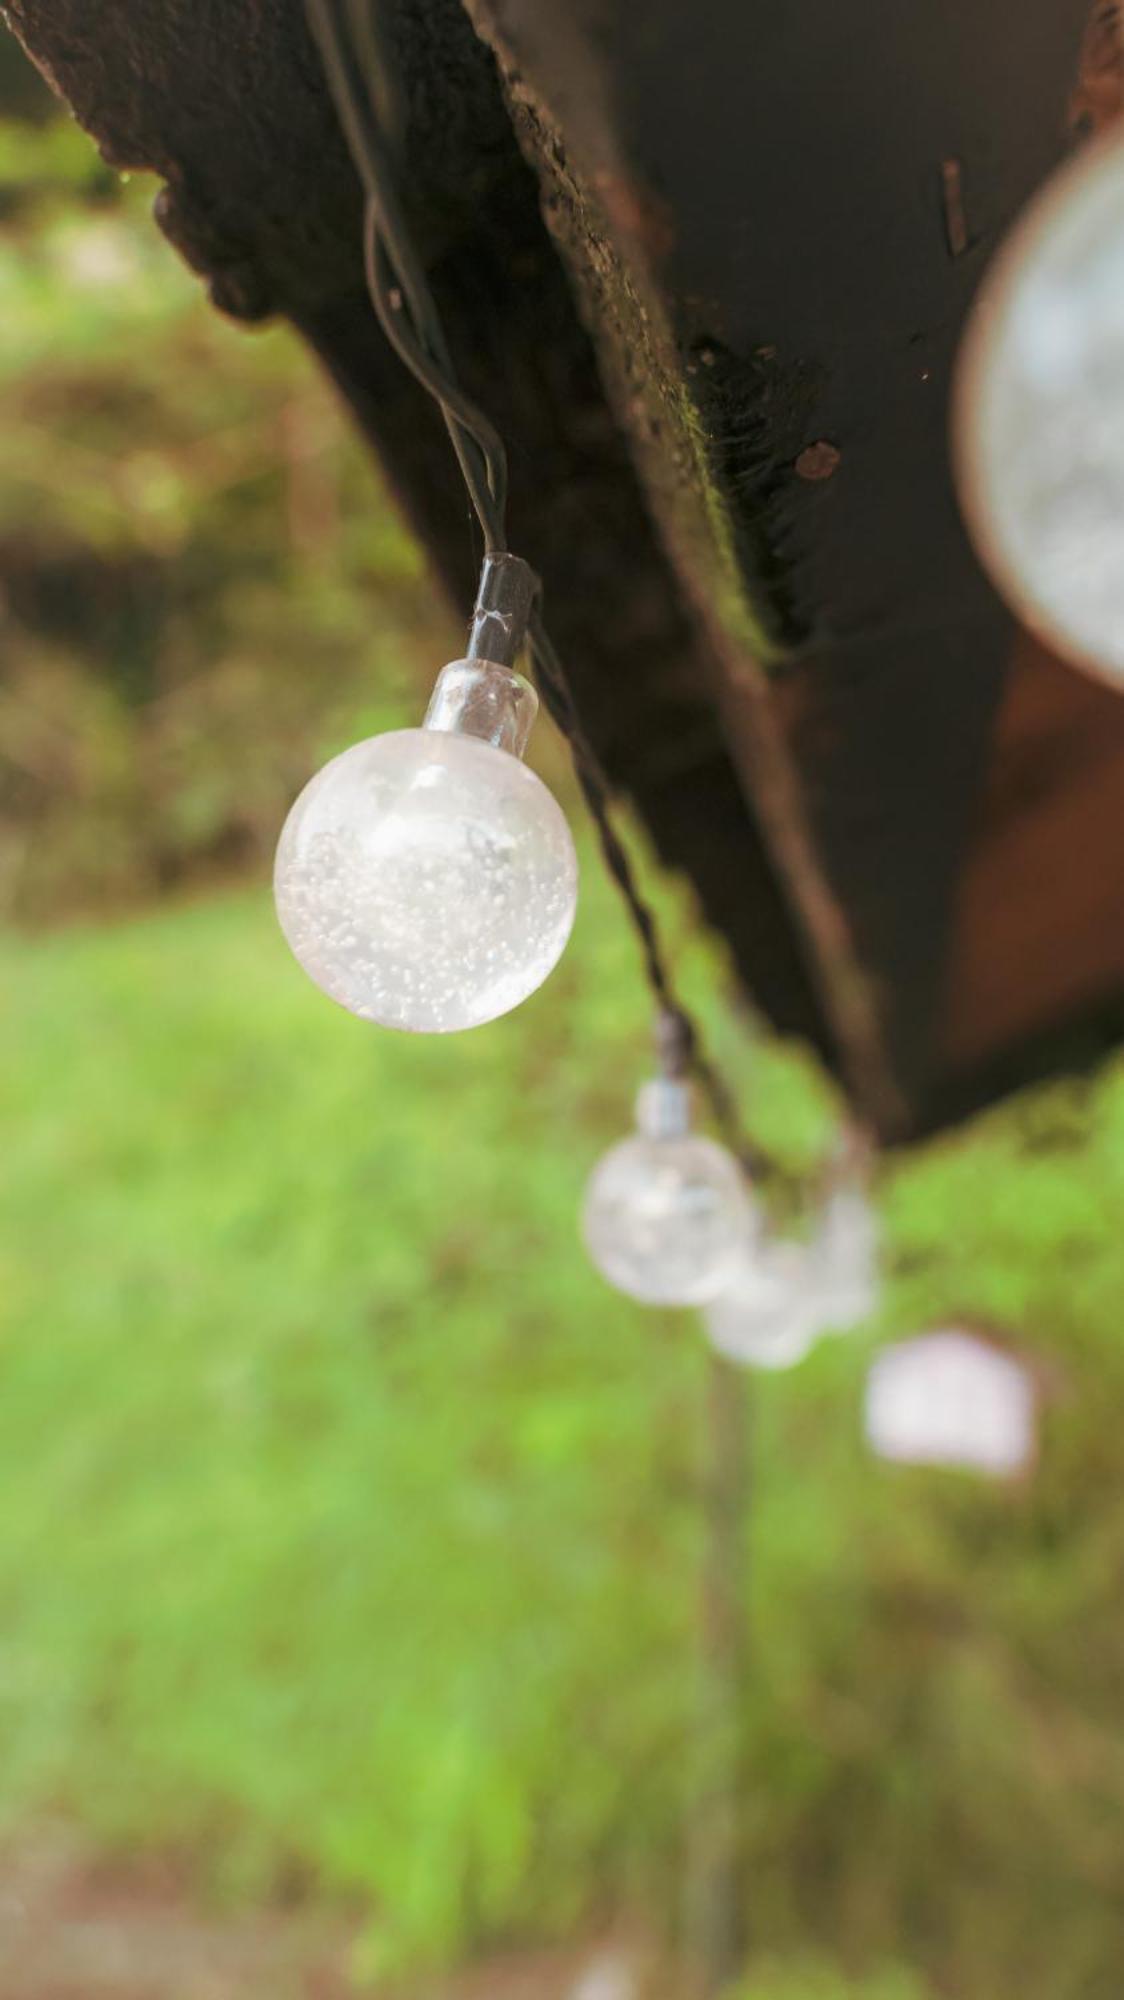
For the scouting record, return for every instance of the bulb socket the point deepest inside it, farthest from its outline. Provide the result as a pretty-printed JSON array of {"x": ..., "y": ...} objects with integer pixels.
[{"x": 479, "y": 698}]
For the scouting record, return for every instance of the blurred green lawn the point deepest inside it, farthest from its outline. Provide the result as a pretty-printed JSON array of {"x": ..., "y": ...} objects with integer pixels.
[
  {"x": 350, "y": 1523},
  {"x": 323, "y": 1455}
]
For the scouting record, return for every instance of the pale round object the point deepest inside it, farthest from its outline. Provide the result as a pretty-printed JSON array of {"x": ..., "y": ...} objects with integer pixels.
[
  {"x": 426, "y": 881},
  {"x": 769, "y": 1313},
  {"x": 1038, "y": 422},
  {"x": 665, "y": 1219}
]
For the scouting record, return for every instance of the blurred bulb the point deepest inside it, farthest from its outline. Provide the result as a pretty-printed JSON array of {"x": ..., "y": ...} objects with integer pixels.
[
  {"x": 426, "y": 879},
  {"x": 666, "y": 1212},
  {"x": 768, "y": 1314},
  {"x": 1039, "y": 413},
  {"x": 784, "y": 1294}
]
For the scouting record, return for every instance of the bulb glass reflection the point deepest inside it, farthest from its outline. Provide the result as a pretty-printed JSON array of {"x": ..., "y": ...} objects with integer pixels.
[
  {"x": 426, "y": 879},
  {"x": 1039, "y": 413},
  {"x": 666, "y": 1212}
]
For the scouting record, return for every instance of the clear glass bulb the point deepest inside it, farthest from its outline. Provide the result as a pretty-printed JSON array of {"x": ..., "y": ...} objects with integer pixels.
[
  {"x": 666, "y": 1212},
  {"x": 1039, "y": 413},
  {"x": 426, "y": 879}
]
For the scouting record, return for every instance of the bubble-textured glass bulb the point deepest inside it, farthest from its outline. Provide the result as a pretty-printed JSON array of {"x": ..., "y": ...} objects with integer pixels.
[
  {"x": 426, "y": 879},
  {"x": 1039, "y": 413},
  {"x": 666, "y": 1212}
]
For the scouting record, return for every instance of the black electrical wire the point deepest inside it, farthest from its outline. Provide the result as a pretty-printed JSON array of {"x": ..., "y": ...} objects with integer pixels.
[
  {"x": 478, "y": 445},
  {"x": 346, "y": 33},
  {"x": 482, "y": 444}
]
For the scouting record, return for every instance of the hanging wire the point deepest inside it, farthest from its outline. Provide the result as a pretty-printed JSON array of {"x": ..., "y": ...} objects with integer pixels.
[
  {"x": 347, "y": 37},
  {"x": 421, "y": 339}
]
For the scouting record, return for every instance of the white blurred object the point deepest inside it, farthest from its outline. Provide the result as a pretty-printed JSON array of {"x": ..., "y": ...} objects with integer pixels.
[
  {"x": 785, "y": 1294},
  {"x": 768, "y": 1315},
  {"x": 847, "y": 1255},
  {"x": 950, "y": 1398},
  {"x": 608, "y": 1978},
  {"x": 1038, "y": 425},
  {"x": 99, "y": 255}
]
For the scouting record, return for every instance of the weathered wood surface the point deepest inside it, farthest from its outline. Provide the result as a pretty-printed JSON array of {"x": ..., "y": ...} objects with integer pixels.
[{"x": 707, "y": 266}]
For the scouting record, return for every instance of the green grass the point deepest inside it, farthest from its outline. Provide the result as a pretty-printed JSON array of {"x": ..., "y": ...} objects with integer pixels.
[
  {"x": 350, "y": 1524},
  {"x": 302, "y": 1381},
  {"x": 324, "y": 1457}
]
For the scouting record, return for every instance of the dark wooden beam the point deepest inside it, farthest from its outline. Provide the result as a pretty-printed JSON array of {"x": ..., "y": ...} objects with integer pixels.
[{"x": 778, "y": 218}]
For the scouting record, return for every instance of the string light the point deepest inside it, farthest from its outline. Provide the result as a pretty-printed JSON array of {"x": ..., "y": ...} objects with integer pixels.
[
  {"x": 358, "y": 64},
  {"x": 426, "y": 879},
  {"x": 1039, "y": 413},
  {"x": 667, "y": 1211}
]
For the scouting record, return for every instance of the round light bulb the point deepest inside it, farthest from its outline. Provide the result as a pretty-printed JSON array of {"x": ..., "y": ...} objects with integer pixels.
[
  {"x": 1039, "y": 413},
  {"x": 666, "y": 1212},
  {"x": 769, "y": 1312},
  {"x": 426, "y": 879},
  {"x": 784, "y": 1293}
]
